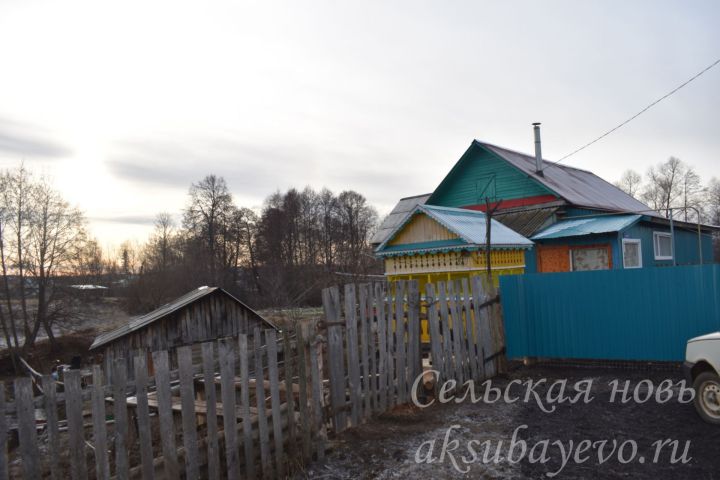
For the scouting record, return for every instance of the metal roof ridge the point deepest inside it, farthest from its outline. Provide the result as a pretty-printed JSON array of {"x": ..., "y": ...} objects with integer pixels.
[{"x": 532, "y": 157}]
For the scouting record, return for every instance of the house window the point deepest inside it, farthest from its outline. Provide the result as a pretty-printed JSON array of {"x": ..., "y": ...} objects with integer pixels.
[
  {"x": 585, "y": 258},
  {"x": 662, "y": 243},
  {"x": 632, "y": 253}
]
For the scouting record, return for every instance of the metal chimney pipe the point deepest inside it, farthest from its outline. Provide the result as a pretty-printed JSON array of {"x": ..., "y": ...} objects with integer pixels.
[{"x": 538, "y": 150}]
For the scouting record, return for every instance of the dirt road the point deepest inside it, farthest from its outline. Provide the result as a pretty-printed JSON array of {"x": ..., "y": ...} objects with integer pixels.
[{"x": 390, "y": 446}]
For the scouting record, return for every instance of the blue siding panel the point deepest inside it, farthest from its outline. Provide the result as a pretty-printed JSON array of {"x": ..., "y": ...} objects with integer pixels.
[{"x": 640, "y": 314}]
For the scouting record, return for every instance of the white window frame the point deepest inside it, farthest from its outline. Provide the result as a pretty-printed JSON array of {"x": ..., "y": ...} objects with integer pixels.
[
  {"x": 639, "y": 244},
  {"x": 655, "y": 245}
]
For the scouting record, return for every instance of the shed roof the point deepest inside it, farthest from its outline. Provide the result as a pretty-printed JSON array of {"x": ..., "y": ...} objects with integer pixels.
[
  {"x": 139, "y": 322},
  {"x": 469, "y": 225},
  {"x": 525, "y": 221},
  {"x": 587, "y": 226}
]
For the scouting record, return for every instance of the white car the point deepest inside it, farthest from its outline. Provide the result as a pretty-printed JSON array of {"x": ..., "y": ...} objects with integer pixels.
[{"x": 702, "y": 366}]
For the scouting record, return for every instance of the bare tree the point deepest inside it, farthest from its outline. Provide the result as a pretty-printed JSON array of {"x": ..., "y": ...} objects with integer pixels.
[
  {"x": 630, "y": 183},
  {"x": 664, "y": 186},
  {"x": 209, "y": 208}
]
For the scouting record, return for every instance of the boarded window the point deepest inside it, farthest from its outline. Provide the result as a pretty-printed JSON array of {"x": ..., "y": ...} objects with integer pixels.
[
  {"x": 596, "y": 258},
  {"x": 662, "y": 245},
  {"x": 632, "y": 254}
]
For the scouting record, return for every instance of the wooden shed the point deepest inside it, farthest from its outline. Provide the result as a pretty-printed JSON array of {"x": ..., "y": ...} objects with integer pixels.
[{"x": 204, "y": 314}]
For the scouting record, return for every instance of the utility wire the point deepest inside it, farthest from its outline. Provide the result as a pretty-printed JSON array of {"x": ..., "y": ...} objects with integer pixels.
[{"x": 716, "y": 62}]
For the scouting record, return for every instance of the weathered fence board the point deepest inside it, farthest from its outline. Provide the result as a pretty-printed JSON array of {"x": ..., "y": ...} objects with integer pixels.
[
  {"x": 102, "y": 465},
  {"x": 142, "y": 414},
  {"x": 213, "y": 450},
  {"x": 226, "y": 360},
  {"x": 245, "y": 406}
]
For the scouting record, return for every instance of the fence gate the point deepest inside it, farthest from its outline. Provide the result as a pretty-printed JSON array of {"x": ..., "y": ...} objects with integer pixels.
[{"x": 375, "y": 347}]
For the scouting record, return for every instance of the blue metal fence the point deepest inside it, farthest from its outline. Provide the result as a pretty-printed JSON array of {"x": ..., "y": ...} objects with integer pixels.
[{"x": 639, "y": 314}]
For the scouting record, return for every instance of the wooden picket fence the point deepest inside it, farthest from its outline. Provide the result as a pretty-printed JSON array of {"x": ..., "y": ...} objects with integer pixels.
[
  {"x": 254, "y": 406},
  {"x": 375, "y": 350}
]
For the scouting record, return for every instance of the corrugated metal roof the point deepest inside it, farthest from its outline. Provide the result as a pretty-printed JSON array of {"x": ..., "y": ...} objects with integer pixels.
[
  {"x": 578, "y": 187},
  {"x": 137, "y": 323},
  {"x": 526, "y": 222},
  {"x": 467, "y": 224},
  {"x": 587, "y": 226},
  {"x": 396, "y": 216}
]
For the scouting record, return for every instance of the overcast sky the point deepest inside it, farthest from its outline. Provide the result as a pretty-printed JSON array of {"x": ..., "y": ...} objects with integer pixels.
[{"x": 125, "y": 106}]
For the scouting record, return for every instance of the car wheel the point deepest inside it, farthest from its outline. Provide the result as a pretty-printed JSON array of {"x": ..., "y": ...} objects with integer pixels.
[{"x": 707, "y": 397}]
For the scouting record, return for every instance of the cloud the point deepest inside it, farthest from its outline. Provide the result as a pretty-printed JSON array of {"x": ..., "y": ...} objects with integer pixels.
[
  {"x": 27, "y": 140},
  {"x": 125, "y": 219},
  {"x": 178, "y": 163}
]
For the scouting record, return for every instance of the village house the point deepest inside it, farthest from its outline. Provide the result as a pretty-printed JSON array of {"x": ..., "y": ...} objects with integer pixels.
[{"x": 574, "y": 219}]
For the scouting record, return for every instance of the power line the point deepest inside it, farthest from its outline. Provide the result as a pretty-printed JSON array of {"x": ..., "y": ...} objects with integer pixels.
[{"x": 716, "y": 62}]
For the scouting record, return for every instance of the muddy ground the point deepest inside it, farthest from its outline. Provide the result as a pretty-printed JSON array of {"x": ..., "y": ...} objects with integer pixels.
[{"x": 386, "y": 447}]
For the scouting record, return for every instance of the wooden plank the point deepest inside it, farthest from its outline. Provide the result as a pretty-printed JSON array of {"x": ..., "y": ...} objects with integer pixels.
[
  {"x": 434, "y": 330},
  {"x": 245, "y": 406},
  {"x": 271, "y": 341},
  {"x": 318, "y": 423},
  {"x": 213, "y": 449},
  {"x": 456, "y": 321},
  {"x": 413, "y": 316},
  {"x": 165, "y": 414},
  {"x": 476, "y": 289},
  {"x": 143, "y": 416},
  {"x": 102, "y": 462},
  {"x": 303, "y": 394},
  {"x": 189, "y": 421},
  {"x": 73, "y": 410},
  {"x": 331, "y": 305},
  {"x": 372, "y": 348},
  {"x": 226, "y": 359},
  {"x": 364, "y": 297},
  {"x": 400, "y": 342},
  {"x": 391, "y": 360},
  {"x": 27, "y": 436},
  {"x": 289, "y": 396},
  {"x": 448, "y": 361},
  {"x": 381, "y": 321},
  {"x": 51, "y": 416},
  {"x": 485, "y": 340},
  {"x": 265, "y": 460},
  {"x": 469, "y": 335},
  {"x": 121, "y": 419},
  {"x": 353, "y": 357}
]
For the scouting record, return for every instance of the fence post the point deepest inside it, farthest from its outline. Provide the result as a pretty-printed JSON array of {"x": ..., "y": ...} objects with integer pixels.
[
  {"x": 400, "y": 343},
  {"x": 165, "y": 414},
  {"x": 331, "y": 305},
  {"x": 434, "y": 328},
  {"x": 102, "y": 465},
  {"x": 226, "y": 361},
  {"x": 413, "y": 315},
  {"x": 143, "y": 416},
  {"x": 189, "y": 420},
  {"x": 213, "y": 452},
  {"x": 73, "y": 408},
  {"x": 264, "y": 434},
  {"x": 245, "y": 405},
  {"x": 353, "y": 358},
  {"x": 51, "y": 416},
  {"x": 381, "y": 323}
]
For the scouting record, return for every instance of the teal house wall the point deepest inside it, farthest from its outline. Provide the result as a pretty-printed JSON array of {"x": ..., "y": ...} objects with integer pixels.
[{"x": 481, "y": 174}]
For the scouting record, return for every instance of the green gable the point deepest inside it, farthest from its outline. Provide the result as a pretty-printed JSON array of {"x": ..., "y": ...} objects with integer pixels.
[{"x": 481, "y": 174}]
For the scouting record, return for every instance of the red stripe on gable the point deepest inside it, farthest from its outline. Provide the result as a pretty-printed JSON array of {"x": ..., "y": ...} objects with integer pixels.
[{"x": 515, "y": 202}]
